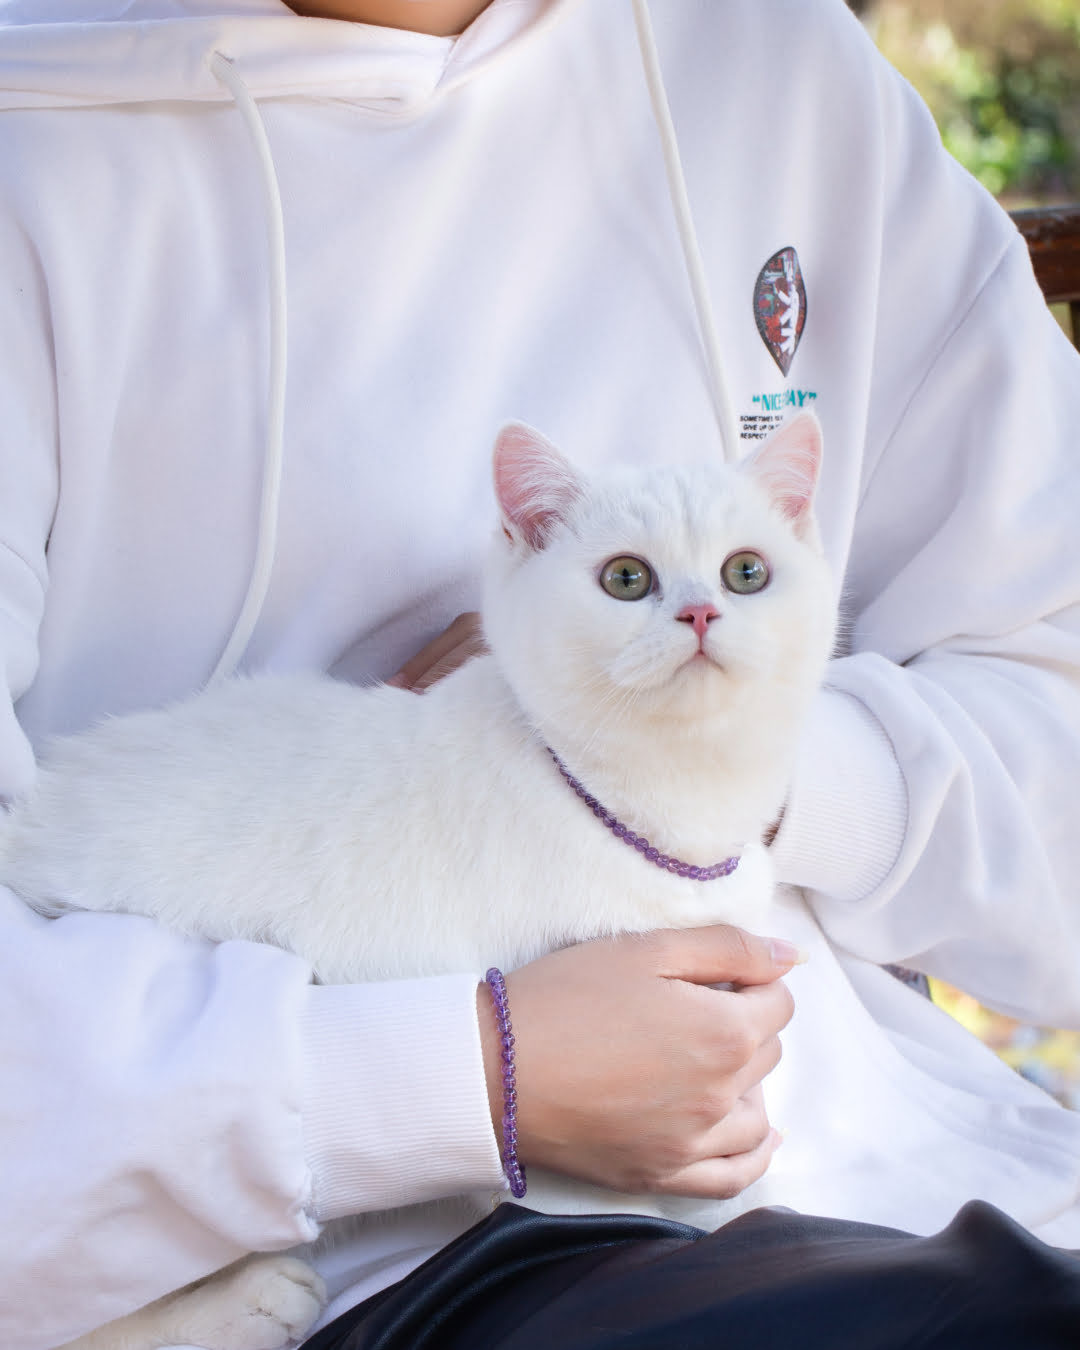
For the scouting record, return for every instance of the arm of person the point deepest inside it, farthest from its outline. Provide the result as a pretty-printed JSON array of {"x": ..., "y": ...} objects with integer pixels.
[
  {"x": 932, "y": 816},
  {"x": 172, "y": 1105}
]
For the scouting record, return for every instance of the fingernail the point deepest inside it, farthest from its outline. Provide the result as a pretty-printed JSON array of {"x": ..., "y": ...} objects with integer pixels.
[{"x": 786, "y": 953}]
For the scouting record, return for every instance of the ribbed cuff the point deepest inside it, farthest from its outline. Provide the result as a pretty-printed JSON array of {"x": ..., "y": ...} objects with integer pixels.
[
  {"x": 395, "y": 1101},
  {"x": 845, "y": 818}
]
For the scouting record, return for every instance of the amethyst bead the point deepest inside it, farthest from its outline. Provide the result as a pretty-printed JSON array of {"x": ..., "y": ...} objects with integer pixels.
[{"x": 515, "y": 1173}]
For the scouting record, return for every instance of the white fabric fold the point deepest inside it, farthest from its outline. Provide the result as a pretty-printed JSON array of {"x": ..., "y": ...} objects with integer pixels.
[{"x": 846, "y": 771}]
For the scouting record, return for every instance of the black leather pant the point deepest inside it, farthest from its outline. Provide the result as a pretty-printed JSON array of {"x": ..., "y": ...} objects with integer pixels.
[{"x": 770, "y": 1280}]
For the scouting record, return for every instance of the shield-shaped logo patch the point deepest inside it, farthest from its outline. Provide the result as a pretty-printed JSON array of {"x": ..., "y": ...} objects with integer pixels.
[{"x": 780, "y": 306}]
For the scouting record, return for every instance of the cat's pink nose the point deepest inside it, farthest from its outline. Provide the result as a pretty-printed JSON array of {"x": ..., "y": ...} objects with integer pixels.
[{"x": 699, "y": 616}]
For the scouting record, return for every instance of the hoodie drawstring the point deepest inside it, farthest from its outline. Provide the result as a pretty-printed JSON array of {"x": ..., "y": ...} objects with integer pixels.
[
  {"x": 680, "y": 202},
  {"x": 266, "y": 537}
]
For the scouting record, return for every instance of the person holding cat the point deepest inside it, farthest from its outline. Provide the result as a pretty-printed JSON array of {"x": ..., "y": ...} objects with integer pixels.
[{"x": 273, "y": 279}]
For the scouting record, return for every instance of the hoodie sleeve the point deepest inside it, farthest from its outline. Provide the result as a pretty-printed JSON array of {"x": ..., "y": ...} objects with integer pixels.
[
  {"x": 933, "y": 813},
  {"x": 167, "y": 1105},
  {"x": 170, "y": 1105}
]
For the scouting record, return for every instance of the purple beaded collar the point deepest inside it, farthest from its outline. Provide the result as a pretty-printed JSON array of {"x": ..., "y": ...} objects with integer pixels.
[{"x": 639, "y": 842}]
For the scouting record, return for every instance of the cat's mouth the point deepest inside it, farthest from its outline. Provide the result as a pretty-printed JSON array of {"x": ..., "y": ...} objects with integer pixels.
[
  {"x": 701, "y": 660},
  {"x": 656, "y": 671}
]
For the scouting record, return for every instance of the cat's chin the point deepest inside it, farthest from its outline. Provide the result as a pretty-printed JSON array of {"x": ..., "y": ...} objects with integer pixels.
[{"x": 697, "y": 687}]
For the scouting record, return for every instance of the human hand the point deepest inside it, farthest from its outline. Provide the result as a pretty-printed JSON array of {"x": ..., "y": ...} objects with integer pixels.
[
  {"x": 452, "y": 648},
  {"x": 632, "y": 1072}
]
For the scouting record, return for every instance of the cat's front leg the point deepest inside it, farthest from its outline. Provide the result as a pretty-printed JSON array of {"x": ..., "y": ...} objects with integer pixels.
[{"x": 263, "y": 1302}]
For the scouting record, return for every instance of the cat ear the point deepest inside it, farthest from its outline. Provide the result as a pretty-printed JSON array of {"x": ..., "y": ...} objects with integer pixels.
[
  {"x": 534, "y": 485},
  {"x": 788, "y": 465}
]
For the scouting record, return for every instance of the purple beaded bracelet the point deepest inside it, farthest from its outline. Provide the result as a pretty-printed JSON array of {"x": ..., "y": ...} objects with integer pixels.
[{"x": 515, "y": 1173}]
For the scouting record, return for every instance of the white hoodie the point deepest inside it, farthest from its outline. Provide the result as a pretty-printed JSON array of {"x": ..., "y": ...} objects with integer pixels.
[{"x": 475, "y": 230}]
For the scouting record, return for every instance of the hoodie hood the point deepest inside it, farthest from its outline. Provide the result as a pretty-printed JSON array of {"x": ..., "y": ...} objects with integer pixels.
[{"x": 87, "y": 53}]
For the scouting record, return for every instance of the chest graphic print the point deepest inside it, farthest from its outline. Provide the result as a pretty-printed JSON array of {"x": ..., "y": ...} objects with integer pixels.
[{"x": 780, "y": 306}]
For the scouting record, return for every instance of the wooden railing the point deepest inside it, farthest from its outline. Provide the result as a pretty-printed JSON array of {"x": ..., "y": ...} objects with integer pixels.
[{"x": 1053, "y": 236}]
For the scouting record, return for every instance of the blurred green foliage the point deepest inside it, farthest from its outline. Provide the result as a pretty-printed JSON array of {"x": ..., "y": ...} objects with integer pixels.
[{"x": 1002, "y": 78}]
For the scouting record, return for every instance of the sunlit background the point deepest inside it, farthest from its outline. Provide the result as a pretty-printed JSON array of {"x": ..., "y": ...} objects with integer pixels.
[{"x": 1002, "y": 78}]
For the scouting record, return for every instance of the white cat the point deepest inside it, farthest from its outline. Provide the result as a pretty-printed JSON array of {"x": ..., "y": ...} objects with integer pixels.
[{"x": 662, "y": 632}]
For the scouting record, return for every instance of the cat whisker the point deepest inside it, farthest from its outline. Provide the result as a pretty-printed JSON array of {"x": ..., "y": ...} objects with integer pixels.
[{"x": 618, "y": 702}]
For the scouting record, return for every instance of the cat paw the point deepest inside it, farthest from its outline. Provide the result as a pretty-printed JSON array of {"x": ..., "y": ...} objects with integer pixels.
[{"x": 261, "y": 1303}]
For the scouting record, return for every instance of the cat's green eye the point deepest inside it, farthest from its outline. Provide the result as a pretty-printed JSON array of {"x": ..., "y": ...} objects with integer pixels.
[
  {"x": 745, "y": 572},
  {"x": 627, "y": 578}
]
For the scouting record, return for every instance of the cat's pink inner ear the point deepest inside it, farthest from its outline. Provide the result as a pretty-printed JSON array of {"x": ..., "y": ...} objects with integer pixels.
[
  {"x": 534, "y": 484},
  {"x": 789, "y": 464}
]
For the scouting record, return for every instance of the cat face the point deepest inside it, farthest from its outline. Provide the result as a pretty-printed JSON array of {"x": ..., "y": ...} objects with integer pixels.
[{"x": 672, "y": 595}]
